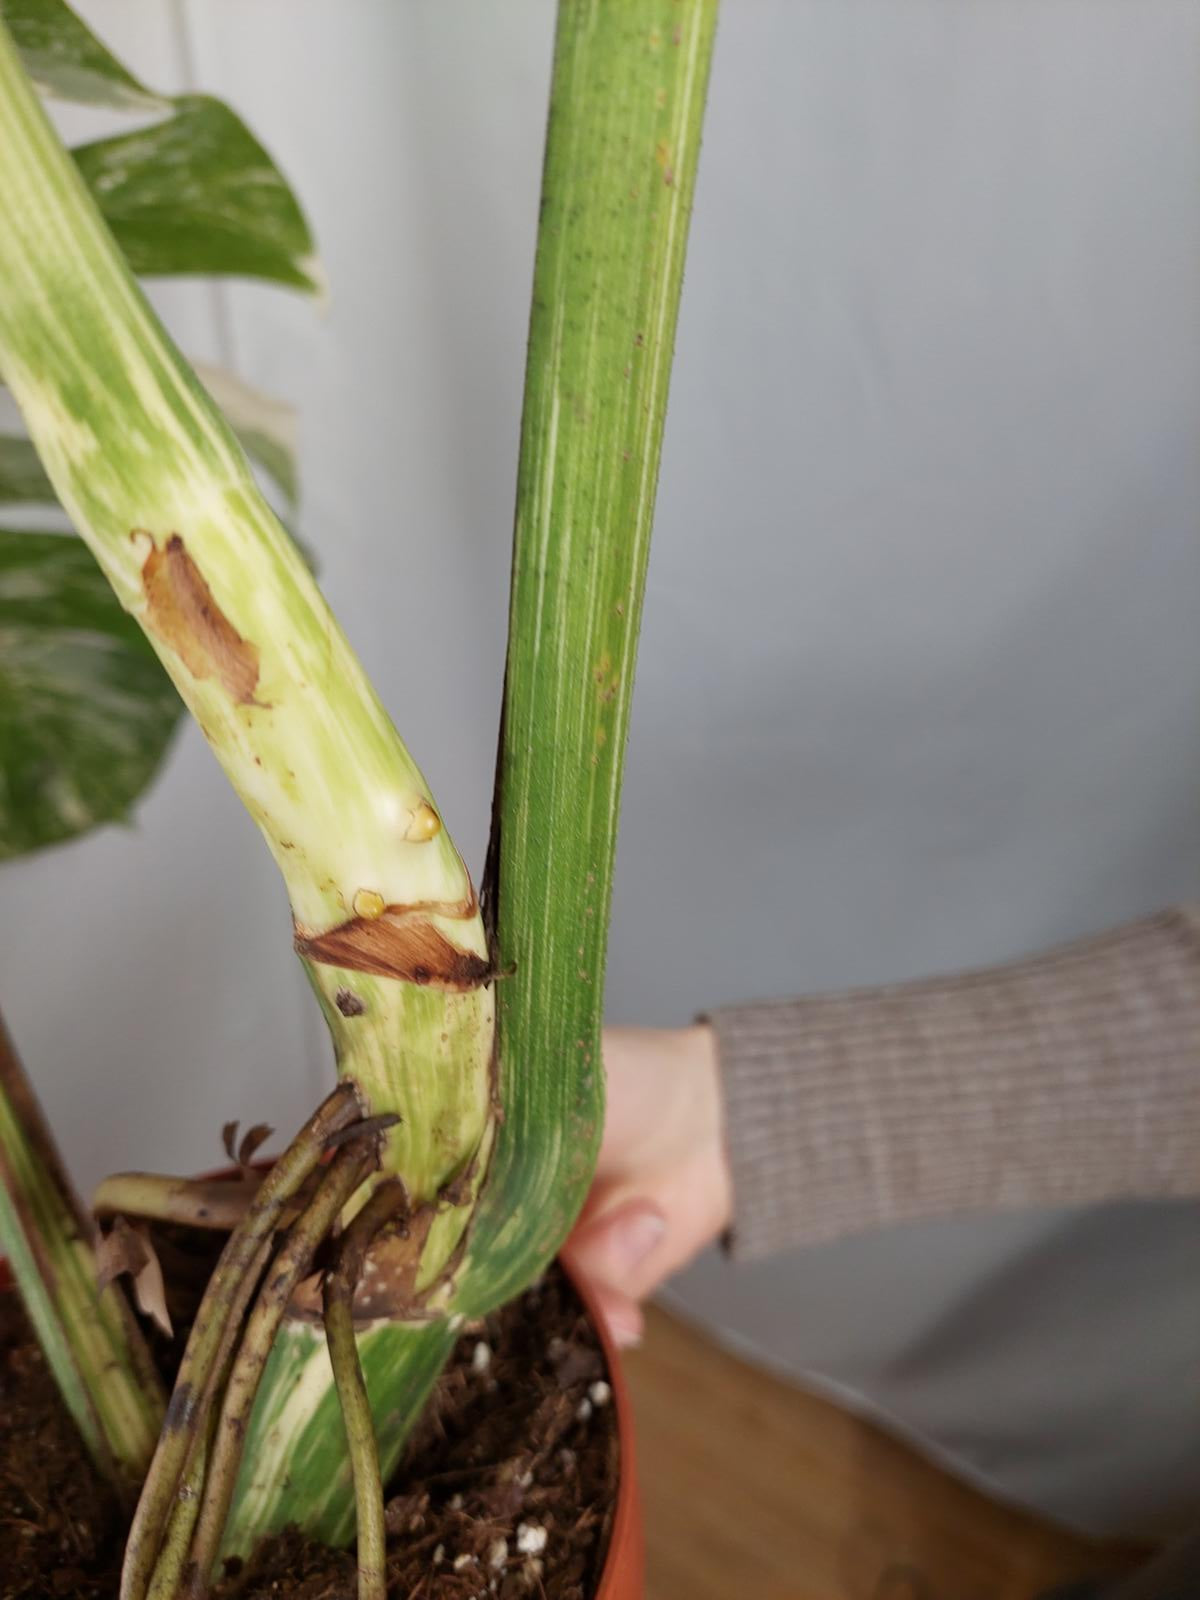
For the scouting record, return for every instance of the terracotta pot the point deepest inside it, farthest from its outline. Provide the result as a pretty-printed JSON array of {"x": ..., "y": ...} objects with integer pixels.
[{"x": 623, "y": 1577}]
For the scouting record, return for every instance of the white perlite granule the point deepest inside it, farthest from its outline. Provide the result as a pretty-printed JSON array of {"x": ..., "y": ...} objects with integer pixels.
[
  {"x": 531, "y": 1538},
  {"x": 599, "y": 1393},
  {"x": 497, "y": 1552},
  {"x": 481, "y": 1356}
]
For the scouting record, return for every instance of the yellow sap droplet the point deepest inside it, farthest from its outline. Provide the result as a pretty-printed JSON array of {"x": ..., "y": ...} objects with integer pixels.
[
  {"x": 662, "y": 153},
  {"x": 369, "y": 903},
  {"x": 424, "y": 824}
]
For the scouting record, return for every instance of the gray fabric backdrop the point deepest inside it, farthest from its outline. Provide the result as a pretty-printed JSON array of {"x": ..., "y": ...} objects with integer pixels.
[{"x": 920, "y": 677}]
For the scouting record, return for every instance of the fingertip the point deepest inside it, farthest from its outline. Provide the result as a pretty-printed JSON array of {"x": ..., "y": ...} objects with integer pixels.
[{"x": 622, "y": 1317}]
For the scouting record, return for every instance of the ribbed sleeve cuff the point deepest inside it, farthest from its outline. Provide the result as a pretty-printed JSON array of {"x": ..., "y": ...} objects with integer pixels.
[{"x": 1070, "y": 1078}]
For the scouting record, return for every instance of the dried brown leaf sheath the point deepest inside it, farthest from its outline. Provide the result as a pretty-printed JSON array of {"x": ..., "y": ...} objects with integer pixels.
[{"x": 397, "y": 945}]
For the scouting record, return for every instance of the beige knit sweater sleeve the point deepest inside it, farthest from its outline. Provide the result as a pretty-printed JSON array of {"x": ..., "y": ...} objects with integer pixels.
[{"x": 1070, "y": 1078}]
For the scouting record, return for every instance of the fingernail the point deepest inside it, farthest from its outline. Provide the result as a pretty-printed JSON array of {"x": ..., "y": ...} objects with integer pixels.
[
  {"x": 625, "y": 1325},
  {"x": 632, "y": 1238}
]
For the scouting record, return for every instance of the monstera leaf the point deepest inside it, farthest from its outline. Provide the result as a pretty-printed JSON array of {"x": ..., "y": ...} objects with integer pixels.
[
  {"x": 86, "y": 711},
  {"x": 66, "y": 60},
  {"x": 192, "y": 192},
  {"x": 198, "y": 193}
]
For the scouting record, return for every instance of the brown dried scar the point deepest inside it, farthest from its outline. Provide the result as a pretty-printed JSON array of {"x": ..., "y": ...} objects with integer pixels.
[{"x": 182, "y": 612}]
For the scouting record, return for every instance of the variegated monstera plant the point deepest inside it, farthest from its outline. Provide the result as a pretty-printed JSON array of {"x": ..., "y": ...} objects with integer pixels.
[{"x": 457, "y": 1145}]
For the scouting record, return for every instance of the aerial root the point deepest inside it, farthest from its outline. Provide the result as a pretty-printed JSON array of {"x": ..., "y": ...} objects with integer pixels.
[
  {"x": 216, "y": 1357},
  {"x": 386, "y": 1202}
]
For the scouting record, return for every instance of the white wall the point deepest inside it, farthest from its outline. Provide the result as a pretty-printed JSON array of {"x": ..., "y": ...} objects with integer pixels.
[{"x": 920, "y": 676}]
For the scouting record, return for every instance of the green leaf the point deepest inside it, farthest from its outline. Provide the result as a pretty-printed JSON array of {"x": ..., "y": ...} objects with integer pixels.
[
  {"x": 23, "y": 480},
  {"x": 197, "y": 193},
  {"x": 66, "y": 60},
  {"x": 193, "y": 193},
  {"x": 86, "y": 711}
]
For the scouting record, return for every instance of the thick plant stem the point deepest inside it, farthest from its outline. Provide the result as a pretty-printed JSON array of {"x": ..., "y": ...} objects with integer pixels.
[
  {"x": 224, "y": 1304},
  {"x": 340, "y": 1283},
  {"x": 290, "y": 1266},
  {"x": 622, "y": 151},
  {"x": 90, "y": 1338},
  {"x": 385, "y": 917}
]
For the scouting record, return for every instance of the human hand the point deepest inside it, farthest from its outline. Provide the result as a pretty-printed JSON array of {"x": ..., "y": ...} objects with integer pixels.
[{"x": 662, "y": 1189}]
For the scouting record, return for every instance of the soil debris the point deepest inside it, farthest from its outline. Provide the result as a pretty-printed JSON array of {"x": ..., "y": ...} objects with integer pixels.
[{"x": 506, "y": 1490}]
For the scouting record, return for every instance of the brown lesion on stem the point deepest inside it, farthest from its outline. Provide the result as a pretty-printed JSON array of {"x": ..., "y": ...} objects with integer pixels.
[{"x": 182, "y": 612}]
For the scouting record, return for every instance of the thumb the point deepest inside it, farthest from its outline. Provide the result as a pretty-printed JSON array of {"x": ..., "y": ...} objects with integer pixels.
[{"x": 616, "y": 1250}]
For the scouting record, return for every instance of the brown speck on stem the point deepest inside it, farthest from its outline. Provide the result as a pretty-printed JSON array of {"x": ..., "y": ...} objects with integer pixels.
[{"x": 348, "y": 1003}]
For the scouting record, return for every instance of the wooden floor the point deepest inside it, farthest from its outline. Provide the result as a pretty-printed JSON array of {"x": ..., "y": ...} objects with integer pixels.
[{"x": 754, "y": 1490}]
